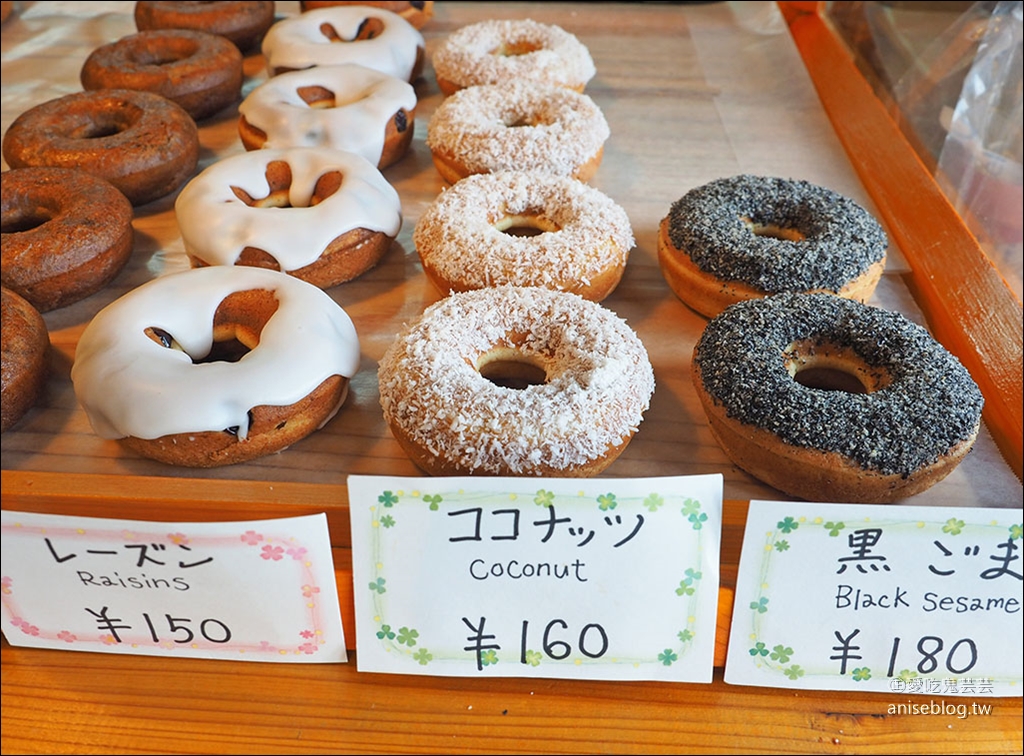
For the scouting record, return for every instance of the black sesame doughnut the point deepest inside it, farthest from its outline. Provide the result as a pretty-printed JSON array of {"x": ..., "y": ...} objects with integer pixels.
[
  {"x": 142, "y": 143},
  {"x": 66, "y": 234},
  {"x": 244, "y": 23},
  {"x": 199, "y": 71},
  {"x": 829, "y": 399},
  {"x": 748, "y": 236},
  {"x": 520, "y": 381}
]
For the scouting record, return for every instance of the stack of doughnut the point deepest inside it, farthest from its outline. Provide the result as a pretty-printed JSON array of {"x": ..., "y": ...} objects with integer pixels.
[
  {"x": 66, "y": 234},
  {"x": 369, "y": 36},
  {"x": 515, "y": 381},
  {"x": 501, "y": 50},
  {"x": 244, "y": 23},
  {"x": 24, "y": 357},
  {"x": 342, "y": 107},
  {"x": 829, "y": 399},
  {"x": 749, "y": 236},
  {"x": 480, "y": 233},
  {"x": 324, "y": 216},
  {"x": 214, "y": 366},
  {"x": 200, "y": 72}
]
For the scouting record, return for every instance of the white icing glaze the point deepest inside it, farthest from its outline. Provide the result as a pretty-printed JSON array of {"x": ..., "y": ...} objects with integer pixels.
[
  {"x": 216, "y": 225},
  {"x": 457, "y": 234},
  {"x": 365, "y": 100},
  {"x": 479, "y": 126},
  {"x": 129, "y": 385},
  {"x": 599, "y": 380},
  {"x": 470, "y": 55},
  {"x": 298, "y": 42}
]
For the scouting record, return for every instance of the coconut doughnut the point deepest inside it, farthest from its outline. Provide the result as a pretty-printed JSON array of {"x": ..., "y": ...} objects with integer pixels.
[
  {"x": 160, "y": 368},
  {"x": 515, "y": 381},
  {"x": 829, "y": 399},
  {"x": 372, "y": 37},
  {"x": 748, "y": 236},
  {"x": 199, "y": 71},
  {"x": 244, "y": 23},
  {"x": 344, "y": 107},
  {"x": 417, "y": 13},
  {"x": 66, "y": 234},
  {"x": 517, "y": 126},
  {"x": 24, "y": 357},
  {"x": 497, "y": 51},
  {"x": 324, "y": 216},
  {"x": 467, "y": 239},
  {"x": 142, "y": 143}
]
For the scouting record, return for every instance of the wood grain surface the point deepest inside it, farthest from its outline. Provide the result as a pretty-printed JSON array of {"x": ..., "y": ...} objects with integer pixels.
[{"x": 692, "y": 92}]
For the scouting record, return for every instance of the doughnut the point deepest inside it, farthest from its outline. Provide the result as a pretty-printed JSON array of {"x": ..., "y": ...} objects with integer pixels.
[
  {"x": 199, "y": 71},
  {"x": 214, "y": 366},
  {"x": 23, "y": 357},
  {"x": 66, "y": 234},
  {"x": 519, "y": 381},
  {"x": 244, "y": 23},
  {"x": 142, "y": 143},
  {"x": 829, "y": 399},
  {"x": 344, "y": 107},
  {"x": 372, "y": 37},
  {"x": 747, "y": 236},
  {"x": 467, "y": 238},
  {"x": 323, "y": 216},
  {"x": 498, "y": 51},
  {"x": 416, "y": 13},
  {"x": 520, "y": 125}
]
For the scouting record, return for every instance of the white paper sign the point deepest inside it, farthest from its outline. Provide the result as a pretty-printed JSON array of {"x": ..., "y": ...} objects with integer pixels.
[
  {"x": 876, "y": 598},
  {"x": 530, "y": 577},
  {"x": 253, "y": 591}
]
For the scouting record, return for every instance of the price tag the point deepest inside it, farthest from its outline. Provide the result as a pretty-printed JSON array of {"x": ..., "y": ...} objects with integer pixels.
[
  {"x": 530, "y": 577},
  {"x": 897, "y": 599},
  {"x": 253, "y": 591}
]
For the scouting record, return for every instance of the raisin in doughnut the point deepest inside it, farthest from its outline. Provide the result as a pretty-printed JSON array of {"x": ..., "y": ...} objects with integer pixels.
[
  {"x": 466, "y": 239},
  {"x": 372, "y": 37},
  {"x": 747, "y": 236},
  {"x": 501, "y": 50},
  {"x": 324, "y": 216},
  {"x": 828, "y": 399},
  {"x": 200, "y": 72},
  {"x": 23, "y": 358},
  {"x": 343, "y": 107},
  {"x": 215, "y": 366},
  {"x": 515, "y": 381},
  {"x": 517, "y": 126},
  {"x": 244, "y": 23},
  {"x": 66, "y": 234},
  {"x": 142, "y": 143}
]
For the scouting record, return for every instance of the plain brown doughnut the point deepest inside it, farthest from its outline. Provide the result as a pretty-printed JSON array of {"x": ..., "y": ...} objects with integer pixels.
[
  {"x": 244, "y": 23},
  {"x": 23, "y": 366}
]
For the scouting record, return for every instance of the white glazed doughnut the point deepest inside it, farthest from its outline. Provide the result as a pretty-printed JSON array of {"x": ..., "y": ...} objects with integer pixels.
[
  {"x": 344, "y": 107},
  {"x": 501, "y": 50},
  {"x": 515, "y": 381},
  {"x": 582, "y": 246},
  {"x": 324, "y": 216},
  {"x": 517, "y": 126},
  {"x": 139, "y": 375},
  {"x": 372, "y": 37}
]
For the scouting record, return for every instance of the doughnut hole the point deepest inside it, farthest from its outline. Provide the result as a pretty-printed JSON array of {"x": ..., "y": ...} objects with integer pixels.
[
  {"x": 512, "y": 48},
  {"x": 168, "y": 50},
  {"x": 370, "y": 28},
  {"x": 26, "y": 217},
  {"x": 526, "y": 224},
  {"x": 774, "y": 231},
  {"x": 104, "y": 122},
  {"x": 512, "y": 368},
  {"x": 830, "y": 367},
  {"x": 318, "y": 97}
]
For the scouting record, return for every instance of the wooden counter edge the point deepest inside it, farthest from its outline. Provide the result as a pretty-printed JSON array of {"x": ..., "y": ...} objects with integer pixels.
[{"x": 968, "y": 304}]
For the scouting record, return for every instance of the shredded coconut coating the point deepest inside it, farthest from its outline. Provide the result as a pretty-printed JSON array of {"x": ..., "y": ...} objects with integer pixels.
[
  {"x": 598, "y": 386},
  {"x": 931, "y": 404},
  {"x": 520, "y": 125},
  {"x": 476, "y": 54},
  {"x": 842, "y": 238},
  {"x": 457, "y": 236}
]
